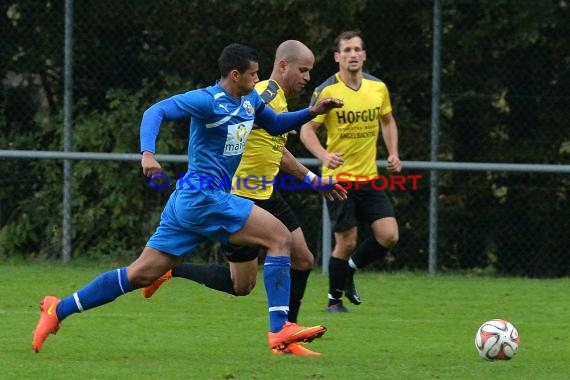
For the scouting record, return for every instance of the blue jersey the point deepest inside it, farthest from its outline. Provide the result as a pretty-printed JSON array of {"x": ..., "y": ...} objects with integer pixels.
[
  {"x": 219, "y": 129},
  {"x": 202, "y": 205}
]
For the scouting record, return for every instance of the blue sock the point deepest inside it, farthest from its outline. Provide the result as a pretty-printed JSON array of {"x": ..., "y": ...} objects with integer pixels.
[
  {"x": 103, "y": 289},
  {"x": 277, "y": 280}
]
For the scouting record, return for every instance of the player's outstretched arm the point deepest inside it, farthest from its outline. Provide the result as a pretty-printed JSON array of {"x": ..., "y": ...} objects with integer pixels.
[
  {"x": 291, "y": 165},
  {"x": 325, "y": 186},
  {"x": 277, "y": 124},
  {"x": 325, "y": 105}
]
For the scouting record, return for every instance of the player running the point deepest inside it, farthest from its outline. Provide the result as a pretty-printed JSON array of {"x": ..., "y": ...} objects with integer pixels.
[
  {"x": 262, "y": 159},
  {"x": 222, "y": 116}
]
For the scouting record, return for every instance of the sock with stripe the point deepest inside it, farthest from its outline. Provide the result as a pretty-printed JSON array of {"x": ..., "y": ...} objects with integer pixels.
[
  {"x": 103, "y": 289},
  {"x": 277, "y": 280}
]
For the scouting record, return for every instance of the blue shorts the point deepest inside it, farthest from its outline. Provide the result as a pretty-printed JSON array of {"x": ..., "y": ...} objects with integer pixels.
[{"x": 192, "y": 216}]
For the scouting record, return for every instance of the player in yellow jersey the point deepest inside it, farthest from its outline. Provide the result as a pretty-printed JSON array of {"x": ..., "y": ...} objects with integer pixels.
[
  {"x": 263, "y": 157},
  {"x": 352, "y": 133}
]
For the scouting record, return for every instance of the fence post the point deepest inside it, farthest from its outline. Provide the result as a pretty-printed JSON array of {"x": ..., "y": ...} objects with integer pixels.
[
  {"x": 326, "y": 238},
  {"x": 435, "y": 102},
  {"x": 67, "y": 130}
]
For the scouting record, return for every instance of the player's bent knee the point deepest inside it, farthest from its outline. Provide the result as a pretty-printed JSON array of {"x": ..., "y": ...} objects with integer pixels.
[
  {"x": 281, "y": 242},
  {"x": 303, "y": 262},
  {"x": 348, "y": 245},
  {"x": 243, "y": 290},
  {"x": 389, "y": 241}
]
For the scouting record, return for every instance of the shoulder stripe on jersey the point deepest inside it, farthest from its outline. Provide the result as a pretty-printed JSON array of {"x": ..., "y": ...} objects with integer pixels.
[
  {"x": 371, "y": 77},
  {"x": 329, "y": 82},
  {"x": 270, "y": 92},
  {"x": 224, "y": 119}
]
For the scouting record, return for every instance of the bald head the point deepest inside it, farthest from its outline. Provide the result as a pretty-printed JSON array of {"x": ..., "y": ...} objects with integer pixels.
[
  {"x": 293, "y": 62},
  {"x": 293, "y": 51}
]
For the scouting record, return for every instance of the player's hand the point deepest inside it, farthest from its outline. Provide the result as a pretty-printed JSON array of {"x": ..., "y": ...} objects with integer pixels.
[
  {"x": 325, "y": 105},
  {"x": 149, "y": 164},
  {"x": 330, "y": 189},
  {"x": 333, "y": 160},
  {"x": 394, "y": 163}
]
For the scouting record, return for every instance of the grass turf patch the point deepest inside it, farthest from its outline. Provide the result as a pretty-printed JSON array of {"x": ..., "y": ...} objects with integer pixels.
[{"x": 410, "y": 326}]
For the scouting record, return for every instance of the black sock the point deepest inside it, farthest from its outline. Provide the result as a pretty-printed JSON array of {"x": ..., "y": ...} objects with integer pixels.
[
  {"x": 298, "y": 286},
  {"x": 367, "y": 252},
  {"x": 338, "y": 270},
  {"x": 214, "y": 276}
]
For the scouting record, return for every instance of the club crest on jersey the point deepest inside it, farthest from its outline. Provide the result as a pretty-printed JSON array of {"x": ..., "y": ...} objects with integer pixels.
[
  {"x": 237, "y": 137},
  {"x": 248, "y": 108}
]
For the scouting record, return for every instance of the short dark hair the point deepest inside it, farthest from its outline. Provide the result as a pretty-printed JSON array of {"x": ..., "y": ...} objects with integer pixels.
[
  {"x": 347, "y": 36},
  {"x": 236, "y": 57}
]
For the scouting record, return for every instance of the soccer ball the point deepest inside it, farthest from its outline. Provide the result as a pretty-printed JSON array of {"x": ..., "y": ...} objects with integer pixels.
[{"x": 497, "y": 339}]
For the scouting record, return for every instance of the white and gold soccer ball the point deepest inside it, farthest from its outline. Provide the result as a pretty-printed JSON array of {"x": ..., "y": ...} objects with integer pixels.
[{"x": 497, "y": 339}]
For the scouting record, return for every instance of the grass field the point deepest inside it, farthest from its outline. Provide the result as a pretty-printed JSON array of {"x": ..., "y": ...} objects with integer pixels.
[{"x": 410, "y": 326}]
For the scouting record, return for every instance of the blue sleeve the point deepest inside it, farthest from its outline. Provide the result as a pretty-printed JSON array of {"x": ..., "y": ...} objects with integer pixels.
[
  {"x": 279, "y": 123},
  {"x": 152, "y": 119},
  {"x": 195, "y": 103}
]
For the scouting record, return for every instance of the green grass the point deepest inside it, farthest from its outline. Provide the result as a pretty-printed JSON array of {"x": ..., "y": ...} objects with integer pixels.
[{"x": 410, "y": 326}]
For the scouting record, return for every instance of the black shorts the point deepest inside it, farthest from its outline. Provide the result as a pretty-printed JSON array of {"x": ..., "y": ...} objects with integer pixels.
[
  {"x": 364, "y": 205},
  {"x": 279, "y": 208}
]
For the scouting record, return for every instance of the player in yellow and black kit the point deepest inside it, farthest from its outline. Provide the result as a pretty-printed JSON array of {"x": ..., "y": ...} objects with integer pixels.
[
  {"x": 352, "y": 133},
  {"x": 263, "y": 157}
]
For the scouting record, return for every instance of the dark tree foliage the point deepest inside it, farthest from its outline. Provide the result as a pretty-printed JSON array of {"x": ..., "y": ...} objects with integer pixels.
[{"x": 505, "y": 81}]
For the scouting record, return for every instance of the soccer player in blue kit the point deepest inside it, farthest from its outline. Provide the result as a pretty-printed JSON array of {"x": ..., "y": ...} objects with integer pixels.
[{"x": 222, "y": 116}]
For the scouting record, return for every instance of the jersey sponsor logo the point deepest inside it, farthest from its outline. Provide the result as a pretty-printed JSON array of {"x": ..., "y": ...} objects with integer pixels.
[
  {"x": 277, "y": 147},
  {"x": 344, "y": 117},
  {"x": 278, "y": 143},
  {"x": 357, "y": 135},
  {"x": 241, "y": 132},
  {"x": 237, "y": 137}
]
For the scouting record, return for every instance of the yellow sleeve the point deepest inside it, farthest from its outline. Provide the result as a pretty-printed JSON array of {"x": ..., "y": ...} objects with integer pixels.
[{"x": 386, "y": 105}]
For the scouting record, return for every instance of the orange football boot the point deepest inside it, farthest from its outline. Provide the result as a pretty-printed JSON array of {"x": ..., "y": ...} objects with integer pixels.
[
  {"x": 293, "y": 333},
  {"x": 48, "y": 323},
  {"x": 295, "y": 349}
]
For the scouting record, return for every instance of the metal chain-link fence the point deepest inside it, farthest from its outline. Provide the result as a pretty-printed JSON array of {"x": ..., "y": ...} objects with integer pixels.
[{"x": 505, "y": 75}]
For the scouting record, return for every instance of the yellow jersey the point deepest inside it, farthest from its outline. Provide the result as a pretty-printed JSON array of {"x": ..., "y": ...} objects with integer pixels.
[
  {"x": 354, "y": 128},
  {"x": 262, "y": 155}
]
